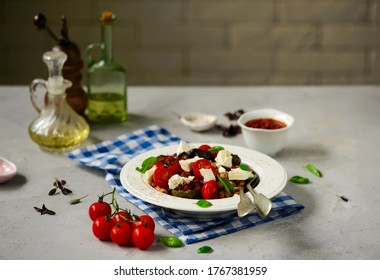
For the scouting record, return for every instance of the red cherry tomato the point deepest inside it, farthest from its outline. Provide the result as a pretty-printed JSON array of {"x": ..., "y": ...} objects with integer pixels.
[
  {"x": 204, "y": 147},
  {"x": 142, "y": 237},
  {"x": 161, "y": 176},
  {"x": 202, "y": 164},
  {"x": 158, "y": 164},
  {"x": 102, "y": 226},
  {"x": 121, "y": 234},
  {"x": 210, "y": 190},
  {"x": 122, "y": 217},
  {"x": 175, "y": 168},
  {"x": 99, "y": 209},
  {"x": 144, "y": 221}
]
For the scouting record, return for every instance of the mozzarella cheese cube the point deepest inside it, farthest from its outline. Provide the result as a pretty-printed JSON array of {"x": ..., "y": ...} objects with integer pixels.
[
  {"x": 186, "y": 164},
  {"x": 184, "y": 147},
  {"x": 221, "y": 169},
  {"x": 224, "y": 158},
  {"x": 207, "y": 174},
  {"x": 239, "y": 174},
  {"x": 177, "y": 180},
  {"x": 149, "y": 174}
]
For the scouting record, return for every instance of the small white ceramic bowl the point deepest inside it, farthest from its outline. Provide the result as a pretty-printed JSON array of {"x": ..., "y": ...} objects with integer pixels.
[
  {"x": 267, "y": 141},
  {"x": 7, "y": 170},
  {"x": 198, "y": 121}
]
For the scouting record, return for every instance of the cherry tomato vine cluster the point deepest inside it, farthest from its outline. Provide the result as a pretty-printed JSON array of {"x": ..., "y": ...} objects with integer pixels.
[{"x": 120, "y": 225}]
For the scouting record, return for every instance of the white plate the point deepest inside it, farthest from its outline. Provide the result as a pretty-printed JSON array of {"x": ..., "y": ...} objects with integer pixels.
[{"x": 272, "y": 175}]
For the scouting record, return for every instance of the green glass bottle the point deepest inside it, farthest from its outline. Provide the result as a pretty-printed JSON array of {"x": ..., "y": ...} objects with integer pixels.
[{"x": 106, "y": 80}]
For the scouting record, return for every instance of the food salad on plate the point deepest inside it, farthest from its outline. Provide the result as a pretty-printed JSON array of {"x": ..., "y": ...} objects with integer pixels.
[{"x": 203, "y": 172}]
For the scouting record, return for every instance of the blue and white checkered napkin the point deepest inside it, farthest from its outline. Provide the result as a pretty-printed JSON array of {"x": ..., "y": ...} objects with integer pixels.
[{"x": 112, "y": 154}]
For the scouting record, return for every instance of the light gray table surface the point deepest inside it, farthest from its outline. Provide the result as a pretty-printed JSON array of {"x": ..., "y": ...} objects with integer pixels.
[{"x": 337, "y": 129}]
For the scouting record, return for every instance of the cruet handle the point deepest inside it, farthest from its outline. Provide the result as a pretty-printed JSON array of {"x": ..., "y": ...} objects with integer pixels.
[
  {"x": 33, "y": 92},
  {"x": 89, "y": 49}
]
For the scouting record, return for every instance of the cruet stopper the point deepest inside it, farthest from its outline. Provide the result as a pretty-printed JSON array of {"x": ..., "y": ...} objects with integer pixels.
[
  {"x": 75, "y": 95},
  {"x": 58, "y": 127}
]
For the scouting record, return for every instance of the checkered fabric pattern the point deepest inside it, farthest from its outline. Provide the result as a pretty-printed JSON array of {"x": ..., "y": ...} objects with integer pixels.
[{"x": 111, "y": 155}]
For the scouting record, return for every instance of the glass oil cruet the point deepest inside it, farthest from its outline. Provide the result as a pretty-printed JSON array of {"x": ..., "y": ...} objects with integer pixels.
[
  {"x": 106, "y": 79},
  {"x": 71, "y": 70},
  {"x": 58, "y": 127}
]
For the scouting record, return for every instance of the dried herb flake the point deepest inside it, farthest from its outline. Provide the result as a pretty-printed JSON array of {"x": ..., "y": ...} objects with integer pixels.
[
  {"x": 44, "y": 210},
  {"x": 344, "y": 198},
  {"x": 59, "y": 184}
]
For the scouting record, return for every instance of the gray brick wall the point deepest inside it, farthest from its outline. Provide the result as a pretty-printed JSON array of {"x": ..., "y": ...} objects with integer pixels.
[{"x": 207, "y": 42}]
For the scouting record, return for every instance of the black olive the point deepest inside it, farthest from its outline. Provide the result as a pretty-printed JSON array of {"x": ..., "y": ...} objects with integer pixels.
[
  {"x": 203, "y": 154},
  {"x": 236, "y": 160}
]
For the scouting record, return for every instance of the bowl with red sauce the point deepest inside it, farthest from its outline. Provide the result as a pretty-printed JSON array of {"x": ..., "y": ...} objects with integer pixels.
[{"x": 266, "y": 130}]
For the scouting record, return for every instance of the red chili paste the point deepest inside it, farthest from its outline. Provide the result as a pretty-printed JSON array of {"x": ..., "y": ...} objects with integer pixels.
[{"x": 265, "y": 123}]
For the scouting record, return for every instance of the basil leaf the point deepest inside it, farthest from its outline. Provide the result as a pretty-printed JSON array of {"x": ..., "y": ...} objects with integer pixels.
[
  {"x": 77, "y": 200},
  {"x": 299, "y": 180},
  {"x": 313, "y": 170},
  {"x": 244, "y": 167},
  {"x": 216, "y": 149},
  {"x": 147, "y": 164},
  {"x": 74, "y": 201},
  {"x": 171, "y": 241},
  {"x": 205, "y": 250},
  {"x": 227, "y": 185},
  {"x": 203, "y": 203}
]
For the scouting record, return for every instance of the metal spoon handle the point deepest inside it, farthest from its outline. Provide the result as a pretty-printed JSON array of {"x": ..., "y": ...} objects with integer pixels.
[
  {"x": 262, "y": 203},
  {"x": 245, "y": 205}
]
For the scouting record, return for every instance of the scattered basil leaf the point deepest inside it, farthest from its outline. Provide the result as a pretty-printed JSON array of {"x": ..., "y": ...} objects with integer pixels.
[
  {"x": 147, "y": 164},
  {"x": 244, "y": 167},
  {"x": 299, "y": 180},
  {"x": 216, "y": 149},
  {"x": 314, "y": 170},
  {"x": 77, "y": 200},
  {"x": 205, "y": 250},
  {"x": 171, "y": 241},
  {"x": 226, "y": 184},
  {"x": 203, "y": 203},
  {"x": 74, "y": 201}
]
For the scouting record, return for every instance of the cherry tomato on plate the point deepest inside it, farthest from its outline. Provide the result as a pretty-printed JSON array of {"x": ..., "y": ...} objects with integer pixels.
[
  {"x": 144, "y": 221},
  {"x": 121, "y": 234},
  {"x": 204, "y": 147},
  {"x": 161, "y": 176},
  {"x": 142, "y": 237},
  {"x": 99, "y": 209},
  {"x": 202, "y": 164},
  {"x": 102, "y": 226},
  {"x": 175, "y": 168},
  {"x": 210, "y": 190}
]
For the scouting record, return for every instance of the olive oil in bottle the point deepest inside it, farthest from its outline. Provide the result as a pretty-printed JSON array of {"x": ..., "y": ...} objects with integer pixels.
[
  {"x": 106, "y": 80},
  {"x": 58, "y": 127}
]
